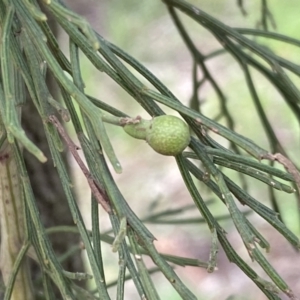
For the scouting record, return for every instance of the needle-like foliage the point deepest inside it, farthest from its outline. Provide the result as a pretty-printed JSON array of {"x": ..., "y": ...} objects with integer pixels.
[{"x": 29, "y": 49}]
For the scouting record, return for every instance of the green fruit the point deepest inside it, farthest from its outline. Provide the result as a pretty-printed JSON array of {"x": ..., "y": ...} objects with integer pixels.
[{"x": 168, "y": 135}]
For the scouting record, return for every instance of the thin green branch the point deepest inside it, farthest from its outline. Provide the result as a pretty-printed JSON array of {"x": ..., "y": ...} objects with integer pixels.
[
  {"x": 27, "y": 42},
  {"x": 270, "y": 35}
]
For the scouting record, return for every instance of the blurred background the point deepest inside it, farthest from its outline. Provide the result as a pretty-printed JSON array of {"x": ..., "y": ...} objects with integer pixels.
[{"x": 151, "y": 182}]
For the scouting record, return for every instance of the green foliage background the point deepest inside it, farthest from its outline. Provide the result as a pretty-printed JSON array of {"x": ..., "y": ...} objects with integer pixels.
[{"x": 145, "y": 31}]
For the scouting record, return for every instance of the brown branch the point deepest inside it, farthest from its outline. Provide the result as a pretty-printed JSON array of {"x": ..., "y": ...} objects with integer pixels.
[
  {"x": 98, "y": 192},
  {"x": 289, "y": 166}
]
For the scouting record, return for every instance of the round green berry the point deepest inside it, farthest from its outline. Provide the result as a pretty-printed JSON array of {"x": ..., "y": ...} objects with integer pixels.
[{"x": 168, "y": 135}]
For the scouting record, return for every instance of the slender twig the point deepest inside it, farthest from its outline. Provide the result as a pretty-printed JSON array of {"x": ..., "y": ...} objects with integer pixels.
[{"x": 97, "y": 191}]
